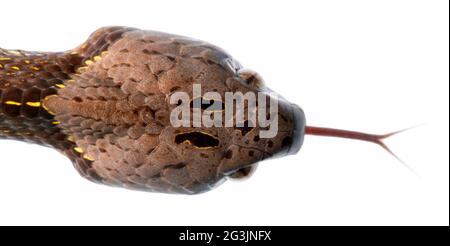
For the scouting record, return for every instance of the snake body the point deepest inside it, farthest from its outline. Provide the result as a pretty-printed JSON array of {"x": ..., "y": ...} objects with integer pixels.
[{"x": 105, "y": 105}]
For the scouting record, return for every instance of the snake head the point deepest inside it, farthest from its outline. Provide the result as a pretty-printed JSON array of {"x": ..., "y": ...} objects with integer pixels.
[{"x": 150, "y": 111}]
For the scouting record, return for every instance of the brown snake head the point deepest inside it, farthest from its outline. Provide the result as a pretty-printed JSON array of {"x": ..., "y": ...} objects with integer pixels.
[{"x": 116, "y": 110}]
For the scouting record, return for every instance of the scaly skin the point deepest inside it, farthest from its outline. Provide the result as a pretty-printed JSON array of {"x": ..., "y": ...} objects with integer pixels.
[{"x": 105, "y": 105}]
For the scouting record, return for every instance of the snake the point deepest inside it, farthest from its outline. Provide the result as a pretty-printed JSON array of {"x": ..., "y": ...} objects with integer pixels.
[{"x": 106, "y": 106}]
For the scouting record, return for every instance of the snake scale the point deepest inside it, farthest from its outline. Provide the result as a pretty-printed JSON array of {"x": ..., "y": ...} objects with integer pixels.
[{"x": 105, "y": 105}]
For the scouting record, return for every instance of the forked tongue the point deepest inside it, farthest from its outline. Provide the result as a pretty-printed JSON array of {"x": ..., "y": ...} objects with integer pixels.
[{"x": 373, "y": 138}]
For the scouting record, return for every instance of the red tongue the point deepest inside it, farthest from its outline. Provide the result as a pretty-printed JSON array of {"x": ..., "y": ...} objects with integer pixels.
[{"x": 373, "y": 138}]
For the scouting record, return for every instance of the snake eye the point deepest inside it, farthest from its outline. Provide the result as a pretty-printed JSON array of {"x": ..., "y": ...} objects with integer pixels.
[
  {"x": 207, "y": 104},
  {"x": 244, "y": 129},
  {"x": 200, "y": 140}
]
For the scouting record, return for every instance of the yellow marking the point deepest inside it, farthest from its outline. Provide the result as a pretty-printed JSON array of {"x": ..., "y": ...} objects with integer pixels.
[
  {"x": 88, "y": 158},
  {"x": 88, "y": 62},
  {"x": 34, "y": 104},
  {"x": 78, "y": 149},
  {"x": 205, "y": 147},
  {"x": 104, "y": 53},
  {"x": 35, "y": 68},
  {"x": 70, "y": 81},
  {"x": 15, "y": 52},
  {"x": 81, "y": 69},
  {"x": 190, "y": 143},
  {"x": 13, "y": 103},
  {"x": 43, "y": 105},
  {"x": 1, "y": 66},
  {"x": 10, "y": 74},
  {"x": 60, "y": 85},
  {"x": 5, "y": 59},
  {"x": 27, "y": 61},
  {"x": 71, "y": 139},
  {"x": 97, "y": 58},
  {"x": 56, "y": 122},
  {"x": 15, "y": 68}
]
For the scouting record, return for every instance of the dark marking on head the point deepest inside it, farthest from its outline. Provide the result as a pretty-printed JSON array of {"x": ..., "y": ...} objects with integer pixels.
[{"x": 197, "y": 139}]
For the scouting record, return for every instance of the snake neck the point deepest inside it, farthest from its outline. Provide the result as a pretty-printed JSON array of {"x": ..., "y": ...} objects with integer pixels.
[{"x": 26, "y": 78}]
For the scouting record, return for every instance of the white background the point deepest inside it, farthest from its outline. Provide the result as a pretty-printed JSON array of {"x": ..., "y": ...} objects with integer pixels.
[{"x": 373, "y": 66}]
